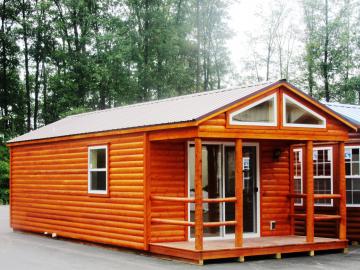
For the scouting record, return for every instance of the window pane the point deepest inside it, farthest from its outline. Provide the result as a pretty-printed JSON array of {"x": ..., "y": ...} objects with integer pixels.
[
  {"x": 327, "y": 171},
  {"x": 355, "y": 154},
  {"x": 297, "y": 115},
  {"x": 98, "y": 158},
  {"x": 322, "y": 186},
  {"x": 347, "y": 167},
  {"x": 356, "y": 184},
  {"x": 263, "y": 112},
  {"x": 356, "y": 197},
  {"x": 98, "y": 181},
  {"x": 348, "y": 197},
  {"x": 355, "y": 168}
]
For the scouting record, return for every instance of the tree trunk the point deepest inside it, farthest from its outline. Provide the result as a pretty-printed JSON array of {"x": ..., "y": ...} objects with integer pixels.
[
  {"x": 36, "y": 90},
  {"x": 146, "y": 51},
  {"x": 198, "y": 45},
  {"x": 45, "y": 105},
  {"x": 4, "y": 67},
  {"x": 26, "y": 55},
  {"x": 326, "y": 54}
]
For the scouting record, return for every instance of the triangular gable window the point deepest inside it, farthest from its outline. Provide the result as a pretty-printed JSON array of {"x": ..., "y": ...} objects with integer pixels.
[
  {"x": 298, "y": 115},
  {"x": 260, "y": 113}
]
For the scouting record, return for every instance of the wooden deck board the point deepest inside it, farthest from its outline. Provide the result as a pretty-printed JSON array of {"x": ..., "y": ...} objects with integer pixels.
[{"x": 216, "y": 249}]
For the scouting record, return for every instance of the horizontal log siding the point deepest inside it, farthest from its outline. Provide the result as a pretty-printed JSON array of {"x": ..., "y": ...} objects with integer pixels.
[
  {"x": 49, "y": 191},
  {"x": 168, "y": 178},
  {"x": 274, "y": 187},
  {"x": 353, "y": 213}
]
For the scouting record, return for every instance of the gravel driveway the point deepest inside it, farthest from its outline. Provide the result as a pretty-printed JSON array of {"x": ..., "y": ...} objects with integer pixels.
[{"x": 35, "y": 252}]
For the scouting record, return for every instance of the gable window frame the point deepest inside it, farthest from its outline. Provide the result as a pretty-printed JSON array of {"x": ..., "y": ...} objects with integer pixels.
[
  {"x": 331, "y": 176},
  {"x": 300, "y": 178},
  {"x": 351, "y": 177},
  {"x": 274, "y": 123},
  {"x": 302, "y": 106},
  {"x": 90, "y": 170}
]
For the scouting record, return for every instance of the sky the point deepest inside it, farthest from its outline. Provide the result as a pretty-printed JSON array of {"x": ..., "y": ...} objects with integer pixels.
[{"x": 245, "y": 16}]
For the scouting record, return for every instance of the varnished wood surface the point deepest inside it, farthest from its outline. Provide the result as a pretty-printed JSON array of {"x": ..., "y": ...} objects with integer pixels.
[
  {"x": 49, "y": 191},
  {"x": 239, "y": 193},
  {"x": 199, "y": 230},
  {"x": 342, "y": 191},
  {"x": 215, "y": 249},
  {"x": 168, "y": 178},
  {"x": 309, "y": 178}
]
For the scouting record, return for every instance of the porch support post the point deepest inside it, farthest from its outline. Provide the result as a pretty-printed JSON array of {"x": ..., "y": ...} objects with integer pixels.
[
  {"x": 342, "y": 191},
  {"x": 310, "y": 192},
  {"x": 198, "y": 196},
  {"x": 238, "y": 193}
]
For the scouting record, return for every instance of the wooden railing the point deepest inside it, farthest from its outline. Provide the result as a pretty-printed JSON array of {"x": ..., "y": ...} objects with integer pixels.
[
  {"x": 316, "y": 217},
  {"x": 192, "y": 200}
]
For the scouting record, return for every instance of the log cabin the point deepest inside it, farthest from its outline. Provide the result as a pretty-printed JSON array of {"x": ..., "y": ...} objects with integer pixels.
[
  {"x": 202, "y": 176},
  {"x": 352, "y": 173}
]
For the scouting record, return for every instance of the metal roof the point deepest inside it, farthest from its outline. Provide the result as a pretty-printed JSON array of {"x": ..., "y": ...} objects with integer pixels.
[
  {"x": 165, "y": 111},
  {"x": 179, "y": 109},
  {"x": 348, "y": 111}
]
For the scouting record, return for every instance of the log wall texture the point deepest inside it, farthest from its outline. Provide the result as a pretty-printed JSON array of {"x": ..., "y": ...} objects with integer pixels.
[
  {"x": 274, "y": 188},
  {"x": 168, "y": 177},
  {"x": 50, "y": 191}
]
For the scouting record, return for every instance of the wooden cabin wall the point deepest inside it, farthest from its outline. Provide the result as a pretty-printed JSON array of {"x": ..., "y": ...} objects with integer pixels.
[
  {"x": 353, "y": 213},
  {"x": 274, "y": 187},
  {"x": 322, "y": 228},
  {"x": 168, "y": 177},
  {"x": 49, "y": 191}
]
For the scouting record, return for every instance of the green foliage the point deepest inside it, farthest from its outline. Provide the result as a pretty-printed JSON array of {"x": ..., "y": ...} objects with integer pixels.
[
  {"x": 4, "y": 175},
  {"x": 87, "y": 55}
]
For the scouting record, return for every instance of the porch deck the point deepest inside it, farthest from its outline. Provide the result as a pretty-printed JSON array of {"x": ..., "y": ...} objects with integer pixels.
[{"x": 218, "y": 249}]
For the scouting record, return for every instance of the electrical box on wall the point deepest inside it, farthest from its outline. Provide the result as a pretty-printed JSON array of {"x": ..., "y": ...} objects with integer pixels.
[{"x": 272, "y": 225}]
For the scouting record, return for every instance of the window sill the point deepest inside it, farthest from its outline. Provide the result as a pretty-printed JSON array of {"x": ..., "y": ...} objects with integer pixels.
[{"x": 103, "y": 195}]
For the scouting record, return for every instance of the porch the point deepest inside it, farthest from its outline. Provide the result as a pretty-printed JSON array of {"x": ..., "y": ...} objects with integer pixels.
[
  {"x": 195, "y": 245},
  {"x": 271, "y": 245}
]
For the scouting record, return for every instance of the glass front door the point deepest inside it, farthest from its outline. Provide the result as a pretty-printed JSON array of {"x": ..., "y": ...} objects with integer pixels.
[{"x": 218, "y": 170}]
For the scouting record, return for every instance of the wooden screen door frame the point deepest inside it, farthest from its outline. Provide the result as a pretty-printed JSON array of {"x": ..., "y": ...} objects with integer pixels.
[{"x": 224, "y": 235}]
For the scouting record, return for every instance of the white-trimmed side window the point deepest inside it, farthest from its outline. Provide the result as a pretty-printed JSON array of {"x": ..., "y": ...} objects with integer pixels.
[
  {"x": 323, "y": 174},
  {"x": 260, "y": 113},
  {"x": 298, "y": 175},
  {"x": 298, "y": 115},
  {"x": 352, "y": 163},
  {"x": 97, "y": 169}
]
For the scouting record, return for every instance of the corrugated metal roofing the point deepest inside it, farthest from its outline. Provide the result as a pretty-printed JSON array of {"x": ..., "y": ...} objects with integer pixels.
[
  {"x": 166, "y": 111},
  {"x": 348, "y": 111}
]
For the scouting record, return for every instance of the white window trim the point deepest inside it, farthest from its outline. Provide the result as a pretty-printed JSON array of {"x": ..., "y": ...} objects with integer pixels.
[
  {"x": 331, "y": 176},
  {"x": 301, "y": 177},
  {"x": 274, "y": 123},
  {"x": 98, "y": 170},
  {"x": 352, "y": 176},
  {"x": 285, "y": 124}
]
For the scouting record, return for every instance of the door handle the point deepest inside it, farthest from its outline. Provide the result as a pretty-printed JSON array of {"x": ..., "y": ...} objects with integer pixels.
[{"x": 256, "y": 189}]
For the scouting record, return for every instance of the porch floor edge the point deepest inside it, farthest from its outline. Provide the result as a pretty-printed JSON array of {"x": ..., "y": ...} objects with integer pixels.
[{"x": 222, "y": 249}]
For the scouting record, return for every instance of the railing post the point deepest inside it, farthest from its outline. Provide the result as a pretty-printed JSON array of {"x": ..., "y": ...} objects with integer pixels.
[
  {"x": 342, "y": 192},
  {"x": 238, "y": 193},
  {"x": 199, "y": 231},
  {"x": 310, "y": 192},
  {"x": 291, "y": 189}
]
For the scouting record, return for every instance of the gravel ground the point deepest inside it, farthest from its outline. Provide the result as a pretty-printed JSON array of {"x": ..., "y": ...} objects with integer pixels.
[{"x": 35, "y": 252}]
